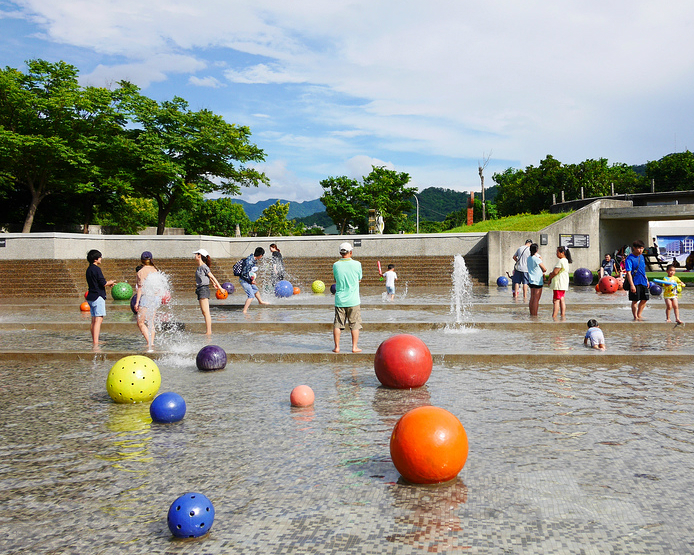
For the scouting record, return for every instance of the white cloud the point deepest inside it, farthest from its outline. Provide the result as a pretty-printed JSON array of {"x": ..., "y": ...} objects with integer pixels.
[
  {"x": 404, "y": 80},
  {"x": 209, "y": 81}
]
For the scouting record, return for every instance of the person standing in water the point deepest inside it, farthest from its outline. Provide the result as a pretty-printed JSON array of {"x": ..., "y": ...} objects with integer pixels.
[
  {"x": 559, "y": 282},
  {"x": 203, "y": 278},
  {"x": 347, "y": 273},
  {"x": 277, "y": 264},
  {"x": 536, "y": 275},
  {"x": 248, "y": 275},
  {"x": 637, "y": 282},
  {"x": 145, "y": 302},
  {"x": 96, "y": 296}
]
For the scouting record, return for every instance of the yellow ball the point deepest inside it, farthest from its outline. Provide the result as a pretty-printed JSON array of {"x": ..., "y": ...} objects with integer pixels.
[
  {"x": 318, "y": 286},
  {"x": 133, "y": 379}
]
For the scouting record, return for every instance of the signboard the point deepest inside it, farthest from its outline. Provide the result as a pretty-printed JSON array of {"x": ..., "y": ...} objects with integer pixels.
[
  {"x": 2, "y": 242},
  {"x": 574, "y": 240},
  {"x": 357, "y": 242}
]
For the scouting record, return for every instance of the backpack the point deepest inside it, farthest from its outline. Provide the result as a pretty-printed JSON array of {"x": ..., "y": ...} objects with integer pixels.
[{"x": 238, "y": 267}]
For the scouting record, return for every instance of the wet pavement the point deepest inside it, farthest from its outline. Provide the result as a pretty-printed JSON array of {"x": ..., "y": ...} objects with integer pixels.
[{"x": 590, "y": 454}]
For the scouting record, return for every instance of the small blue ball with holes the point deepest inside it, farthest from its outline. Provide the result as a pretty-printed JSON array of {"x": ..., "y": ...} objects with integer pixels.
[{"x": 190, "y": 516}]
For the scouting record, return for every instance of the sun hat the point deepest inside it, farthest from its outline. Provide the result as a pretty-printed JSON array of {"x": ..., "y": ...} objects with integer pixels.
[
  {"x": 202, "y": 252},
  {"x": 345, "y": 247}
]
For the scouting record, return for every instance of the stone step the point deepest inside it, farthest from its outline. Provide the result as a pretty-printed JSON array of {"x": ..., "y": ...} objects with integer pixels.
[{"x": 65, "y": 278}]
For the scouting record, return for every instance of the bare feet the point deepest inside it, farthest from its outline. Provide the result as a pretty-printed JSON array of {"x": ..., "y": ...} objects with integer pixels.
[
  {"x": 356, "y": 350},
  {"x": 336, "y": 350},
  {"x": 669, "y": 321}
]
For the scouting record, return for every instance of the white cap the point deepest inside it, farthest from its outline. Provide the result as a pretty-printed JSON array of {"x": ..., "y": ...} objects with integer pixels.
[
  {"x": 202, "y": 252},
  {"x": 345, "y": 247}
]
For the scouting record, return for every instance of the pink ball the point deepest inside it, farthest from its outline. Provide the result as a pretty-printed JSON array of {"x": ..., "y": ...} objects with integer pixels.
[{"x": 302, "y": 396}]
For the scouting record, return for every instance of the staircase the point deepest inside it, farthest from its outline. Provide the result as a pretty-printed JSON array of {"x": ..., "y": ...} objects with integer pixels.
[{"x": 65, "y": 278}]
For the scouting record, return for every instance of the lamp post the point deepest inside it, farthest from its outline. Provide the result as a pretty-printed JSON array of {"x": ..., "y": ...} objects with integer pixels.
[{"x": 415, "y": 198}]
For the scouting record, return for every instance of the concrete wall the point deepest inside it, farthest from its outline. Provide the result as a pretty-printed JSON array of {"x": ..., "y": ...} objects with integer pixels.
[
  {"x": 75, "y": 246},
  {"x": 502, "y": 245}
]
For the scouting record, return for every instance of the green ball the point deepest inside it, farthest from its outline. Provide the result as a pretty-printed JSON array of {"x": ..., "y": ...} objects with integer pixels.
[
  {"x": 318, "y": 286},
  {"x": 122, "y": 291},
  {"x": 133, "y": 379}
]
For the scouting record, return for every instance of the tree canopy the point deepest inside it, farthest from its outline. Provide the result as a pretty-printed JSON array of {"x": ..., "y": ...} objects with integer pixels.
[
  {"x": 347, "y": 201},
  {"x": 100, "y": 147}
]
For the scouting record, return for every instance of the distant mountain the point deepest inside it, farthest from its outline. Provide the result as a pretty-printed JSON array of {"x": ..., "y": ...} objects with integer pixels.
[{"x": 296, "y": 209}]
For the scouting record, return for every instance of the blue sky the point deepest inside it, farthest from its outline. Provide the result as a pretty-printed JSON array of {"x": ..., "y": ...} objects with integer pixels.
[{"x": 428, "y": 88}]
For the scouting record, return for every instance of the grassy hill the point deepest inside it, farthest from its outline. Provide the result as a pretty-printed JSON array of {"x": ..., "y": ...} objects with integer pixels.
[{"x": 519, "y": 222}]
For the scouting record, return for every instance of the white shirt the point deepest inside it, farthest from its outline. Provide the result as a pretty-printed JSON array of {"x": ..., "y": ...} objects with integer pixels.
[{"x": 390, "y": 276}]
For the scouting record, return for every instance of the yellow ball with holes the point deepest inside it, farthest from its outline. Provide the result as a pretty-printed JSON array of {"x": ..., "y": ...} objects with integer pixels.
[
  {"x": 133, "y": 379},
  {"x": 318, "y": 286}
]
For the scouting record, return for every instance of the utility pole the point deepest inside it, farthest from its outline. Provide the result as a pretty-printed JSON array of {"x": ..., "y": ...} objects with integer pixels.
[{"x": 480, "y": 167}]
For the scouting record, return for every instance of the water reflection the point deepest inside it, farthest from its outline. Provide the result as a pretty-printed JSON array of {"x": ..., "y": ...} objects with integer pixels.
[{"x": 431, "y": 520}]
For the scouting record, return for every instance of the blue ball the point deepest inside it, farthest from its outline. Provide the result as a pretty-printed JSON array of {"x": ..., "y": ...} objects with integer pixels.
[
  {"x": 190, "y": 516},
  {"x": 333, "y": 288},
  {"x": 228, "y": 286},
  {"x": 211, "y": 357},
  {"x": 502, "y": 281},
  {"x": 655, "y": 289},
  {"x": 133, "y": 299},
  {"x": 284, "y": 289},
  {"x": 167, "y": 407},
  {"x": 583, "y": 276}
]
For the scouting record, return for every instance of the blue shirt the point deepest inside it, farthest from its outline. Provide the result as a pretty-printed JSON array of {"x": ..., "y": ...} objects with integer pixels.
[
  {"x": 535, "y": 274},
  {"x": 637, "y": 266}
]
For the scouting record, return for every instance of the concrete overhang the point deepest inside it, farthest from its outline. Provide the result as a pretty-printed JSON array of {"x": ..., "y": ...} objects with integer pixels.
[{"x": 650, "y": 213}]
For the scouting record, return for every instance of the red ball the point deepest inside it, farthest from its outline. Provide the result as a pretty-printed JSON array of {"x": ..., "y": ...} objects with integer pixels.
[
  {"x": 302, "y": 396},
  {"x": 84, "y": 307},
  {"x": 608, "y": 284},
  {"x": 428, "y": 446},
  {"x": 403, "y": 362}
]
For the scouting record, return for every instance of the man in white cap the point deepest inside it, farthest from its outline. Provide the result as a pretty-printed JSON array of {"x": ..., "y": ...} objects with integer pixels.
[{"x": 347, "y": 273}]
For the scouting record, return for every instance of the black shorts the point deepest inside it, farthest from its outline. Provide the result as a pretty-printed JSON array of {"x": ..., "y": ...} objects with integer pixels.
[
  {"x": 641, "y": 294},
  {"x": 533, "y": 286}
]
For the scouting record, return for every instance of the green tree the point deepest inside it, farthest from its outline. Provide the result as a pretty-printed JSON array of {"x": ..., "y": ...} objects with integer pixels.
[
  {"x": 217, "y": 217},
  {"x": 177, "y": 154},
  {"x": 347, "y": 201},
  {"x": 52, "y": 132},
  {"x": 128, "y": 216},
  {"x": 674, "y": 172},
  {"x": 273, "y": 221},
  {"x": 386, "y": 192},
  {"x": 342, "y": 202}
]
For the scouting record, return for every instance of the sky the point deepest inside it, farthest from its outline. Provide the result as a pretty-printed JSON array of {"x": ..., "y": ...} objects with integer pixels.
[{"x": 433, "y": 89}]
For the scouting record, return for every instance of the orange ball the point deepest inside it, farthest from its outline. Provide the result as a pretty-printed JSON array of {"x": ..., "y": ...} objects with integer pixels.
[
  {"x": 84, "y": 307},
  {"x": 297, "y": 290},
  {"x": 428, "y": 446},
  {"x": 302, "y": 396},
  {"x": 222, "y": 294}
]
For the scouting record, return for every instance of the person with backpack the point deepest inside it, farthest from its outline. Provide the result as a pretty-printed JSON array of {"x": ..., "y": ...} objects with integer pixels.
[
  {"x": 635, "y": 267},
  {"x": 247, "y": 275}
]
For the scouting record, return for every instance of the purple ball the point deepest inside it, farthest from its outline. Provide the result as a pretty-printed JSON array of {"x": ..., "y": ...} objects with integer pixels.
[
  {"x": 132, "y": 303},
  {"x": 228, "y": 286},
  {"x": 211, "y": 357},
  {"x": 583, "y": 276},
  {"x": 333, "y": 288},
  {"x": 655, "y": 289}
]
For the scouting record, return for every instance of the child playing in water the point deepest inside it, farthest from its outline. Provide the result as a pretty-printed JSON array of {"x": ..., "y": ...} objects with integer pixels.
[
  {"x": 146, "y": 304},
  {"x": 96, "y": 296},
  {"x": 203, "y": 278},
  {"x": 390, "y": 277},
  {"x": 670, "y": 293},
  {"x": 559, "y": 281},
  {"x": 594, "y": 335}
]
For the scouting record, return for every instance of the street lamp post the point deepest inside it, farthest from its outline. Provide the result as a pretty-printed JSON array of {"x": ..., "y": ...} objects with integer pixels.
[{"x": 415, "y": 198}]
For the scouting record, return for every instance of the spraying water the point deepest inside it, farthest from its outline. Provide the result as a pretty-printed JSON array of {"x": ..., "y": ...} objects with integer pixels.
[{"x": 461, "y": 294}]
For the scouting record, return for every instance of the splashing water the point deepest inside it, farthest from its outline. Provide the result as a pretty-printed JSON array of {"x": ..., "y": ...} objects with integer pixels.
[{"x": 461, "y": 294}]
